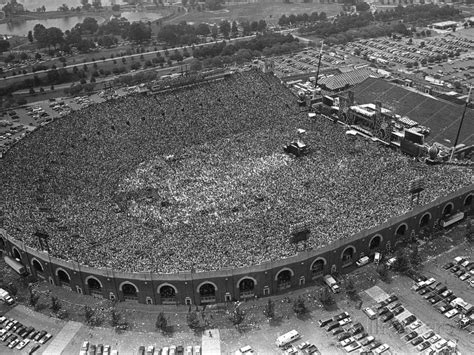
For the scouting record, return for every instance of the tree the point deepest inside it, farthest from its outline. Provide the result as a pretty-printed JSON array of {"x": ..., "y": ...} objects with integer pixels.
[
  {"x": 33, "y": 297},
  {"x": 203, "y": 29},
  {"x": 234, "y": 29},
  {"x": 237, "y": 316},
  {"x": 30, "y": 36},
  {"x": 350, "y": 288},
  {"x": 469, "y": 231},
  {"x": 139, "y": 32},
  {"x": 326, "y": 297},
  {"x": 269, "y": 309},
  {"x": 401, "y": 264},
  {"x": 299, "y": 306},
  {"x": 55, "y": 304},
  {"x": 88, "y": 314},
  {"x": 115, "y": 317},
  {"x": 116, "y": 7},
  {"x": 97, "y": 4},
  {"x": 161, "y": 322},
  {"x": 262, "y": 25},
  {"x": 195, "y": 65},
  {"x": 4, "y": 45},
  {"x": 383, "y": 272},
  {"x": 415, "y": 258},
  {"x": 89, "y": 25},
  {"x": 225, "y": 27},
  {"x": 193, "y": 320},
  {"x": 214, "y": 32},
  {"x": 39, "y": 33},
  {"x": 54, "y": 36}
]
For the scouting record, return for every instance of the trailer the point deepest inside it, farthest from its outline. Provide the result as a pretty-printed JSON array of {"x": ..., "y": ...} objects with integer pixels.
[{"x": 16, "y": 266}]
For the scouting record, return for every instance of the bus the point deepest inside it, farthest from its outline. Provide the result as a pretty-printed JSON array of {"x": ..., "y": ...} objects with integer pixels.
[{"x": 16, "y": 265}]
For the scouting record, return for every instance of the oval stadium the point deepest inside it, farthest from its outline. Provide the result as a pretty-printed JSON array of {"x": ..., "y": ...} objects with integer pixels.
[{"x": 188, "y": 195}]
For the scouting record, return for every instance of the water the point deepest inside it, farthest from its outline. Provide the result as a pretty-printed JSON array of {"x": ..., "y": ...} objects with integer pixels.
[
  {"x": 66, "y": 23},
  {"x": 52, "y": 5}
]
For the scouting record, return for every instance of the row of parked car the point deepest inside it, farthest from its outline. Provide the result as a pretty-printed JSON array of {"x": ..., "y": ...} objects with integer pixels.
[
  {"x": 463, "y": 268},
  {"x": 171, "y": 350},
  {"x": 100, "y": 349},
  {"x": 352, "y": 337},
  {"x": 445, "y": 301},
  {"x": 17, "y": 336},
  {"x": 413, "y": 330}
]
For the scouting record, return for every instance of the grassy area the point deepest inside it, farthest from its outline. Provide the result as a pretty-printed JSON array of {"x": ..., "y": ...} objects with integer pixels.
[{"x": 269, "y": 11}]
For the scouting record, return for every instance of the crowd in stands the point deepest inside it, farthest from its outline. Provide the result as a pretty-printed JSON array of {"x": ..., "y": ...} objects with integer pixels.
[{"x": 196, "y": 179}]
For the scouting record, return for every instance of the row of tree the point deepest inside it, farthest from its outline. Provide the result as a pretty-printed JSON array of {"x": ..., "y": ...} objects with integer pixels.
[
  {"x": 300, "y": 19},
  {"x": 187, "y": 34}
]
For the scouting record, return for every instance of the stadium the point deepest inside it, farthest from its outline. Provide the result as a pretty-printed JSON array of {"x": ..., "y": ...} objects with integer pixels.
[{"x": 188, "y": 196}]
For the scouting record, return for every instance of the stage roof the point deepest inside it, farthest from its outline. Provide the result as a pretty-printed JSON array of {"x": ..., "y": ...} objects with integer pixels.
[{"x": 440, "y": 116}]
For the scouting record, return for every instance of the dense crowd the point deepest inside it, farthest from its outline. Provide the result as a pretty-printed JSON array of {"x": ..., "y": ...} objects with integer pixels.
[{"x": 196, "y": 178}]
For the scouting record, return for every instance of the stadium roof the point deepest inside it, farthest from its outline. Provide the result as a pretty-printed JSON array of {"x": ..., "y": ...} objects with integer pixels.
[
  {"x": 351, "y": 78},
  {"x": 441, "y": 117}
]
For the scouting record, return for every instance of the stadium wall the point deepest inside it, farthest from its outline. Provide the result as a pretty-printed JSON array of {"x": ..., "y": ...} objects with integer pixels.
[{"x": 265, "y": 279}]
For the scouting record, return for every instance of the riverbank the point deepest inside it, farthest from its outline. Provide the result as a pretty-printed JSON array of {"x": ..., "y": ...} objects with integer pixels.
[{"x": 104, "y": 13}]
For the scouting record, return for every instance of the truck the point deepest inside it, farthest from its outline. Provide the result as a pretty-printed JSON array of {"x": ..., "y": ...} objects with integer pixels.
[
  {"x": 332, "y": 283},
  {"x": 15, "y": 265},
  {"x": 5, "y": 297}
]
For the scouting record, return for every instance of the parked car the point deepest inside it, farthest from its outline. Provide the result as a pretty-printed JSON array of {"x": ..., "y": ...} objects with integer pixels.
[
  {"x": 360, "y": 336},
  {"x": 408, "y": 320},
  {"x": 343, "y": 336},
  {"x": 416, "y": 341},
  {"x": 381, "y": 349},
  {"x": 450, "y": 314},
  {"x": 324, "y": 322},
  {"x": 387, "y": 317},
  {"x": 428, "y": 334},
  {"x": 448, "y": 265},
  {"x": 398, "y": 310},
  {"x": 464, "y": 276},
  {"x": 410, "y": 336},
  {"x": 367, "y": 340}
]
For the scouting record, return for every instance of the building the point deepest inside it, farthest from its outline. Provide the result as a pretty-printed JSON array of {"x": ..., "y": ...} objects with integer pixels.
[{"x": 239, "y": 284}]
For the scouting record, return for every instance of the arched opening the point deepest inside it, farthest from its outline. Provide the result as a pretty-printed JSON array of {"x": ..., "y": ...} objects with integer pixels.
[
  {"x": 447, "y": 210},
  {"x": 167, "y": 294},
  {"x": 401, "y": 230},
  {"x": 207, "y": 292},
  {"x": 467, "y": 203},
  {"x": 284, "y": 279},
  {"x": 425, "y": 220},
  {"x": 246, "y": 287},
  {"x": 37, "y": 266},
  {"x": 95, "y": 287},
  {"x": 375, "y": 243},
  {"x": 130, "y": 292},
  {"x": 317, "y": 268},
  {"x": 16, "y": 254},
  {"x": 2, "y": 244},
  {"x": 64, "y": 279},
  {"x": 348, "y": 256}
]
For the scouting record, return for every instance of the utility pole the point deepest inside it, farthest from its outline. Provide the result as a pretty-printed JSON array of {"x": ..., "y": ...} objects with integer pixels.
[{"x": 468, "y": 99}]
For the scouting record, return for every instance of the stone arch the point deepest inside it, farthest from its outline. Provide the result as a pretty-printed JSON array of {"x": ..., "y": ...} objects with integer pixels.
[
  {"x": 207, "y": 289},
  {"x": 283, "y": 278},
  {"x": 93, "y": 283},
  {"x": 246, "y": 284},
  {"x": 16, "y": 253},
  {"x": 284, "y": 269},
  {"x": 63, "y": 275},
  {"x": 401, "y": 229},
  {"x": 448, "y": 209},
  {"x": 375, "y": 242},
  {"x": 348, "y": 253},
  {"x": 318, "y": 264},
  {"x": 129, "y": 290},
  {"x": 468, "y": 200},
  {"x": 2, "y": 244},
  {"x": 425, "y": 219},
  {"x": 166, "y": 290},
  {"x": 37, "y": 266}
]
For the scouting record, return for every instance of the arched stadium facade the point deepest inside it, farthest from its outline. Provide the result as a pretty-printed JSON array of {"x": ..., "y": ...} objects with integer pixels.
[{"x": 236, "y": 284}]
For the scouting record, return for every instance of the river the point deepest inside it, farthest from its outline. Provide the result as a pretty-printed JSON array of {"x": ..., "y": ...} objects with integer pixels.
[{"x": 66, "y": 23}]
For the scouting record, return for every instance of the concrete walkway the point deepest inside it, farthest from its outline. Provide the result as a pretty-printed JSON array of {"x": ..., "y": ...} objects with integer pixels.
[
  {"x": 211, "y": 342},
  {"x": 60, "y": 341}
]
